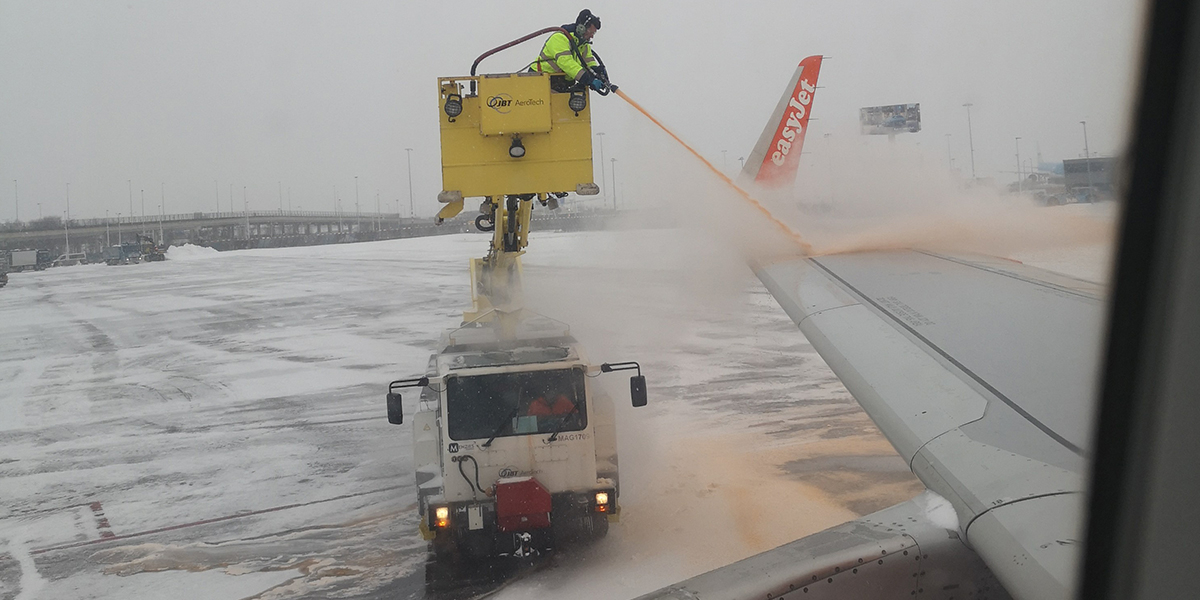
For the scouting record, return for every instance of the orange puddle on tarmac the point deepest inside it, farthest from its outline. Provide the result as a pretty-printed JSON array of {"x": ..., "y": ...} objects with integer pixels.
[{"x": 716, "y": 498}]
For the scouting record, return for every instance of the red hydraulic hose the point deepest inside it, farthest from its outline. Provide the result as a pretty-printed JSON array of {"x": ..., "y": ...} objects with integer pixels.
[{"x": 513, "y": 43}]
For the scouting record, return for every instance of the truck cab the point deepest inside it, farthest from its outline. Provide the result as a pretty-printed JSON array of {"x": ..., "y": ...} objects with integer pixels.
[
  {"x": 122, "y": 254},
  {"x": 514, "y": 444}
]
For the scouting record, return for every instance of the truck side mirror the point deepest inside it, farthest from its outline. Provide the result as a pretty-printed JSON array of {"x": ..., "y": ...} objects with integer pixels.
[
  {"x": 637, "y": 390},
  {"x": 395, "y": 409},
  {"x": 637, "y": 383}
]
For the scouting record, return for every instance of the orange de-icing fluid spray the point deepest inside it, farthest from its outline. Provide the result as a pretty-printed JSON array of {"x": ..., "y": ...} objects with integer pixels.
[{"x": 791, "y": 233}]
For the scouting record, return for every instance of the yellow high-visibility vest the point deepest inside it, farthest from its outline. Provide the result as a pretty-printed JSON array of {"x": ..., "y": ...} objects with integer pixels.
[{"x": 556, "y": 56}]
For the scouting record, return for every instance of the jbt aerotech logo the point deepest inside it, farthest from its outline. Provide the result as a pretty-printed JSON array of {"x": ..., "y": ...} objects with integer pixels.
[{"x": 501, "y": 103}]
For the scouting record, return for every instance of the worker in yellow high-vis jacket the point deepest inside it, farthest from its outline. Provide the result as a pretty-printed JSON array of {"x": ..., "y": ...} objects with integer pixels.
[{"x": 570, "y": 56}]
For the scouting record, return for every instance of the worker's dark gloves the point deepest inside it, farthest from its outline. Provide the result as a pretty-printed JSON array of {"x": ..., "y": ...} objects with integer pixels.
[{"x": 597, "y": 84}]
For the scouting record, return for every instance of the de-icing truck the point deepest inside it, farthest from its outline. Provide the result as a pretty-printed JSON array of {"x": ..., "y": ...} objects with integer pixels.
[{"x": 514, "y": 442}]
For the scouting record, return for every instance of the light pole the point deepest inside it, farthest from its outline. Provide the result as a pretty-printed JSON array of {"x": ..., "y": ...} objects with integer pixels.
[
  {"x": 1018, "y": 143},
  {"x": 118, "y": 229},
  {"x": 143, "y": 212},
  {"x": 246, "y": 210},
  {"x": 163, "y": 198},
  {"x": 1087, "y": 156},
  {"x": 281, "y": 197},
  {"x": 614, "y": 178},
  {"x": 603, "y": 195},
  {"x": 161, "y": 212},
  {"x": 107, "y": 239},
  {"x": 337, "y": 208},
  {"x": 949, "y": 156},
  {"x": 412, "y": 214},
  {"x": 742, "y": 160},
  {"x": 67, "y": 222},
  {"x": 971, "y": 139}
]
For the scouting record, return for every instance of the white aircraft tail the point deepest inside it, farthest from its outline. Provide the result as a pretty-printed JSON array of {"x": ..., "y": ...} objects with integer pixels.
[{"x": 773, "y": 162}]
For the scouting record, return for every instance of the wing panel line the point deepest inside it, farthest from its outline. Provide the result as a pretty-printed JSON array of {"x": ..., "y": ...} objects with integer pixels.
[
  {"x": 1042, "y": 426},
  {"x": 967, "y": 529},
  {"x": 1003, "y": 273}
]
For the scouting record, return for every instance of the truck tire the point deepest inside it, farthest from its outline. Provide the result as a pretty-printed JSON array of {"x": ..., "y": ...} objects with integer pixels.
[
  {"x": 599, "y": 526},
  {"x": 445, "y": 550}
]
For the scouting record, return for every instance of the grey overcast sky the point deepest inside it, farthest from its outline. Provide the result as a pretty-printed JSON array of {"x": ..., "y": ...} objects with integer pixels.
[{"x": 191, "y": 97}]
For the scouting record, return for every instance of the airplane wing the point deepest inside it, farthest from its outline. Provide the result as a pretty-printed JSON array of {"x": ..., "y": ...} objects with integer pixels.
[{"x": 981, "y": 373}]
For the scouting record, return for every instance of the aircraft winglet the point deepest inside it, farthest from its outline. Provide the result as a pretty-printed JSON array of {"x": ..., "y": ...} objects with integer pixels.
[{"x": 773, "y": 161}]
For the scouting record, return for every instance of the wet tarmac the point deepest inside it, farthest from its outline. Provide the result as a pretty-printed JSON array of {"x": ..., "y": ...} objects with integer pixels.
[{"x": 214, "y": 426}]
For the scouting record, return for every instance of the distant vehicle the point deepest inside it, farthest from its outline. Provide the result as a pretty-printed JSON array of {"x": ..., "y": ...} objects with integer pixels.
[
  {"x": 150, "y": 250},
  {"x": 123, "y": 254},
  {"x": 28, "y": 260},
  {"x": 70, "y": 259},
  {"x": 3, "y": 271}
]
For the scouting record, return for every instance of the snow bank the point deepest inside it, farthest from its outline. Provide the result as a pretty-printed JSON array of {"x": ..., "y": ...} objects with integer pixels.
[{"x": 190, "y": 252}]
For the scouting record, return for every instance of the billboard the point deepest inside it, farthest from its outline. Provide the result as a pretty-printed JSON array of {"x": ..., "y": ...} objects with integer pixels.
[{"x": 890, "y": 120}]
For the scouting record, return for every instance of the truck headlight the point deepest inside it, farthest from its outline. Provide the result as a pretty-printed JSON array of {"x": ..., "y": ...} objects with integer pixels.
[
  {"x": 441, "y": 517},
  {"x": 601, "y": 501}
]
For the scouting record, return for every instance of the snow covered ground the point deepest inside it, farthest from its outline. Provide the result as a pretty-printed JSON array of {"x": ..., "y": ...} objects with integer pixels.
[{"x": 213, "y": 426}]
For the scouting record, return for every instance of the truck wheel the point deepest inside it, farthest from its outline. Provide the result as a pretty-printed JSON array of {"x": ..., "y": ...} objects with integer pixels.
[
  {"x": 599, "y": 526},
  {"x": 444, "y": 550}
]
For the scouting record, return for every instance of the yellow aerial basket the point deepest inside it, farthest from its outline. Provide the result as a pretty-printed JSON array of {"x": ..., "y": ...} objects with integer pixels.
[{"x": 509, "y": 134}]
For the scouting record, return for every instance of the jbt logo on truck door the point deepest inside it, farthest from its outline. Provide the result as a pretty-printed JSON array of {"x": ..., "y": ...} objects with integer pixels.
[{"x": 501, "y": 103}]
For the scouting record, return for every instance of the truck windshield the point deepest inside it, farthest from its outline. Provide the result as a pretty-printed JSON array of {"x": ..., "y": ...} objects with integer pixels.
[{"x": 507, "y": 404}]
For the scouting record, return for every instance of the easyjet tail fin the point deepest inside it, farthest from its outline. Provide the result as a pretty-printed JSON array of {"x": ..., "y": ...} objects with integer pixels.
[{"x": 773, "y": 161}]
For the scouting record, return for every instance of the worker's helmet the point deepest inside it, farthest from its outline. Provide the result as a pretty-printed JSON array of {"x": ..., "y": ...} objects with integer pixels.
[{"x": 584, "y": 19}]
